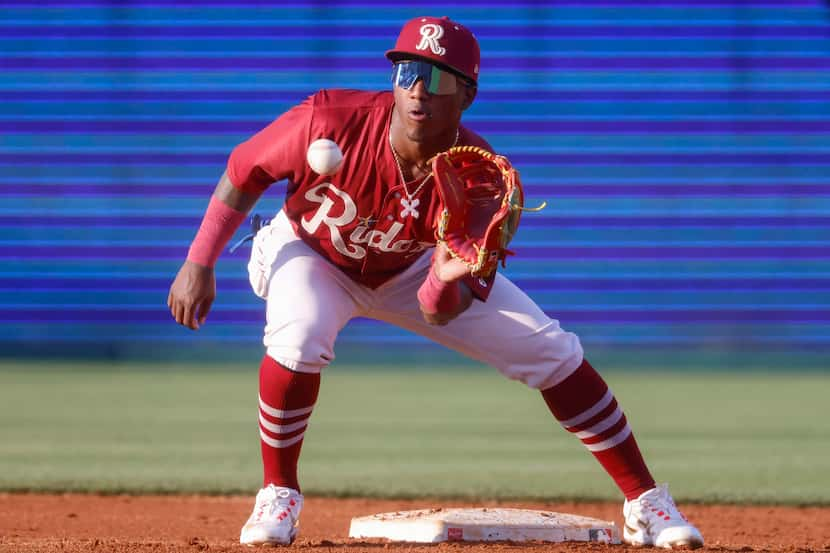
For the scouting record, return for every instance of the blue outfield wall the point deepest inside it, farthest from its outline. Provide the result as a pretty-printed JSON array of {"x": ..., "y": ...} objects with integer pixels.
[{"x": 683, "y": 147}]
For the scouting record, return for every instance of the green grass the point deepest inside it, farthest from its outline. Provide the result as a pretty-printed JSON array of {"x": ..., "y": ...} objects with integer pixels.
[{"x": 393, "y": 432}]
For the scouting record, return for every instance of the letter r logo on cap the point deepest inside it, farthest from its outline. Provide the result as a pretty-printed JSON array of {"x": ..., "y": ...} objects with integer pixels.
[{"x": 430, "y": 33}]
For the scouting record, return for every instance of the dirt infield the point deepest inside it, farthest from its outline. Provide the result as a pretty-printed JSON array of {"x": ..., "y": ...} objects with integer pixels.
[{"x": 73, "y": 523}]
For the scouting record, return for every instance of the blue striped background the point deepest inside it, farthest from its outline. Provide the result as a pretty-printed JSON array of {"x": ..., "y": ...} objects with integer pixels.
[{"x": 684, "y": 147}]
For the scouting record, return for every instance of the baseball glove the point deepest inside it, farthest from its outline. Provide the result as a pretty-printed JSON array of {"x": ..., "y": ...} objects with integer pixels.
[{"x": 481, "y": 202}]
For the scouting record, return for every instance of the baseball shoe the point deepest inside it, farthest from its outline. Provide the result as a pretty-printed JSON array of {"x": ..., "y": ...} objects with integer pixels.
[
  {"x": 275, "y": 518},
  {"x": 653, "y": 519}
]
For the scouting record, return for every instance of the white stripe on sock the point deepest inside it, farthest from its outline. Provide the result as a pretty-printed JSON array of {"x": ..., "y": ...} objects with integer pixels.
[
  {"x": 613, "y": 441},
  {"x": 601, "y": 426},
  {"x": 282, "y": 428},
  {"x": 280, "y": 414},
  {"x": 585, "y": 415},
  {"x": 279, "y": 443}
]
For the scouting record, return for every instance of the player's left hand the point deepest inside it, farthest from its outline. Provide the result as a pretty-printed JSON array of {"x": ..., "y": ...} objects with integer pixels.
[{"x": 481, "y": 201}]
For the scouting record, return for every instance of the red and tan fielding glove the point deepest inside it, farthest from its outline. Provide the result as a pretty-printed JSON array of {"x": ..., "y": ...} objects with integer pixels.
[{"x": 481, "y": 203}]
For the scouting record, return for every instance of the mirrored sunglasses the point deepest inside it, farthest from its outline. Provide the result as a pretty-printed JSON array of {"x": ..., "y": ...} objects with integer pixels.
[{"x": 436, "y": 81}]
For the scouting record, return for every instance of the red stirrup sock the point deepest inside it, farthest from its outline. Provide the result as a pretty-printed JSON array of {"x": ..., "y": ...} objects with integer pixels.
[
  {"x": 286, "y": 399},
  {"x": 584, "y": 405}
]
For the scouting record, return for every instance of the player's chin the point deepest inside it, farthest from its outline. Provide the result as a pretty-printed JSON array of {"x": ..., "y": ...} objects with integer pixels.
[
  {"x": 418, "y": 129},
  {"x": 423, "y": 133}
]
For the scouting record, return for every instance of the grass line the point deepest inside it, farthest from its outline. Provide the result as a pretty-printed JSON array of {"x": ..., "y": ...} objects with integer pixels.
[{"x": 398, "y": 432}]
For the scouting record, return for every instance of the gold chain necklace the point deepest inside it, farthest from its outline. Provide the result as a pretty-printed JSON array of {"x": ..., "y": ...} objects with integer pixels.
[{"x": 411, "y": 203}]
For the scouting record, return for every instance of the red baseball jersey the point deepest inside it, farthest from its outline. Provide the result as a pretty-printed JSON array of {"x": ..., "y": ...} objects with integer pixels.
[{"x": 363, "y": 219}]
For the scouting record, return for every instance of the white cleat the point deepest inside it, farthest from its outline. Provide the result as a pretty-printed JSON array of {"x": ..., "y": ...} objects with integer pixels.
[
  {"x": 275, "y": 519},
  {"x": 653, "y": 519}
]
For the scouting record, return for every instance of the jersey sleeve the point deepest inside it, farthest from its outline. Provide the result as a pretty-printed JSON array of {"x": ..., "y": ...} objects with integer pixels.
[{"x": 275, "y": 153}]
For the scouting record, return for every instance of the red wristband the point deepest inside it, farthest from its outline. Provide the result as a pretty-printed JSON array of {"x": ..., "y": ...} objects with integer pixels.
[
  {"x": 217, "y": 228},
  {"x": 437, "y": 296}
]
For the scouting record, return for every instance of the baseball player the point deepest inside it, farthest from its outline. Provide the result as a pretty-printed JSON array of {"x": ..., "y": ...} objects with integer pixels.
[{"x": 361, "y": 242}]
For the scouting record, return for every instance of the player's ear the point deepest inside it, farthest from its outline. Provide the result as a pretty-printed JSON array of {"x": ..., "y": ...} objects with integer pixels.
[{"x": 469, "y": 96}]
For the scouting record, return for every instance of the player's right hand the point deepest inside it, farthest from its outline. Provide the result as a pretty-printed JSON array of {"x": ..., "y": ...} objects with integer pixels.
[
  {"x": 191, "y": 294},
  {"x": 449, "y": 269},
  {"x": 446, "y": 267}
]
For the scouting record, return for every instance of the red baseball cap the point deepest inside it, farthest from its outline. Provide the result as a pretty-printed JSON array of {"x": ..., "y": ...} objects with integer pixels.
[{"x": 441, "y": 41}]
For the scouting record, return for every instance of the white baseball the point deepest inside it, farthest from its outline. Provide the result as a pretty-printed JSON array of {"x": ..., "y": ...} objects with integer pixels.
[{"x": 324, "y": 156}]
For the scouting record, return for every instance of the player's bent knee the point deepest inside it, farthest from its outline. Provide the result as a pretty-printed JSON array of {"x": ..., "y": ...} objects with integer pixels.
[
  {"x": 544, "y": 359},
  {"x": 300, "y": 348}
]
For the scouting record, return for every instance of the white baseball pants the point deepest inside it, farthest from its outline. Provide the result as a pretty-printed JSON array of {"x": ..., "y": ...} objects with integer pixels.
[{"x": 309, "y": 301}]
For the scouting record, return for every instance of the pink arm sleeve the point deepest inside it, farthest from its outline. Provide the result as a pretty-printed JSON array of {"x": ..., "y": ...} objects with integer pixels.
[
  {"x": 437, "y": 296},
  {"x": 217, "y": 228}
]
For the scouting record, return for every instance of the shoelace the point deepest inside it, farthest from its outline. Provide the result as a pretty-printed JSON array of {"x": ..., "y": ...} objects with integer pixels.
[
  {"x": 279, "y": 501},
  {"x": 661, "y": 506}
]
